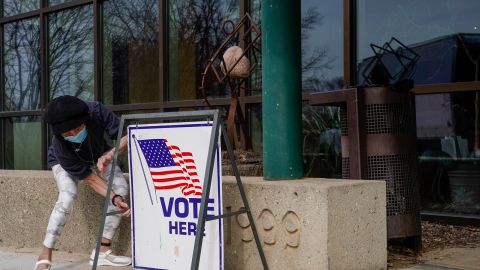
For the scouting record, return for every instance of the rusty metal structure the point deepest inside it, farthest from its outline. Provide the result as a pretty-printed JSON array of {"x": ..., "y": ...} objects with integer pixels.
[
  {"x": 379, "y": 143},
  {"x": 248, "y": 34}
]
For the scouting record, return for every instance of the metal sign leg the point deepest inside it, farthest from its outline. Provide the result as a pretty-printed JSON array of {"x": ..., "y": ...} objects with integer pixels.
[
  {"x": 244, "y": 199},
  {"x": 107, "y": 198},
  {"x": 206, "y": 187},
  {"x": 197, "y": 248}
]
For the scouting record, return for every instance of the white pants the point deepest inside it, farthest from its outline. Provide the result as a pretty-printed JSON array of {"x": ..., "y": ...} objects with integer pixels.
[{"x": 67, "y": 193}]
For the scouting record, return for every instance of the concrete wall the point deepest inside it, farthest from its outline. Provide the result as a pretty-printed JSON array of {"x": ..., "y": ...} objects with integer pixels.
[
  {"x": 303, "y": 224},
  {"x": 26, "y": 201}
]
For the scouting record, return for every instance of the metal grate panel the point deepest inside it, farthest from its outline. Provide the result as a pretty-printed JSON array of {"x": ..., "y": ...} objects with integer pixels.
[
  {"x": 387, "y": 118},
  {"x": 343, "y": 120},
  {"x": 345, "y": 168},
  {"x": 399, "y": 172}
]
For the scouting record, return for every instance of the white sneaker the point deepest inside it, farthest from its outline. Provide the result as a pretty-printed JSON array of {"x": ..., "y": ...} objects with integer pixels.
[{"x": 106, "y": 258}]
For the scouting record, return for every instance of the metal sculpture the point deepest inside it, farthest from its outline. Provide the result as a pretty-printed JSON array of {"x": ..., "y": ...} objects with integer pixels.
[
  {"x": 389, "y": 66},
  {"x": 231, "y": 66}
]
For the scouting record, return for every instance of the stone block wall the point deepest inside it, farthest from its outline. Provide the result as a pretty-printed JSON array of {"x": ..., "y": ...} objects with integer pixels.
[{"x": 303, "y": 224}]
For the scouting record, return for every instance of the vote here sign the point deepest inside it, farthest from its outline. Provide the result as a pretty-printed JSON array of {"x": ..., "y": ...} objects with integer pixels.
[{"x": 167, "y": 169}]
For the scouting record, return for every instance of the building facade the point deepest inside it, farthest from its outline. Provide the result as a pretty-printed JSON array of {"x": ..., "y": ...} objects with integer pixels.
[{"x": 149, "y": 55}]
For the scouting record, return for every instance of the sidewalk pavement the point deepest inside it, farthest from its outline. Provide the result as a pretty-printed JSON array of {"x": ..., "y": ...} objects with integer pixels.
[
  {"x": 25, "y": 258},
  {"x": 449, "y": 259}
]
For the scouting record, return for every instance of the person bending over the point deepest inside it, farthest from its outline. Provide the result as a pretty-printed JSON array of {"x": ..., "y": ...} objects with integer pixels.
[{"x": 80, "y": 152}]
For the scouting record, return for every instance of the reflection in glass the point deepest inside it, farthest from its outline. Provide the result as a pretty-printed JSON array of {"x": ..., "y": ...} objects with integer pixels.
[
  {"x": 22, "y": 150},
  {"x": 322, "y": 45},
  {"x": 256, "y": 76},
  {"x": 256, "y": 11},
  {"x": 56, "y": 2},
  {"x": 122, "y": 160},
  {"x": 14, "y": 7},
  {"x": 21, "y": 50},
  {"x": 194, "y": 34},
  {"x": 443, "y": 34},
  {"x": 449, "y": 151},
  {"x": 131, "y": 51},
  {"x": 254, "y": 116},
  {"x": 322, "y": 152},
  {"x": 70, "y": 53}
]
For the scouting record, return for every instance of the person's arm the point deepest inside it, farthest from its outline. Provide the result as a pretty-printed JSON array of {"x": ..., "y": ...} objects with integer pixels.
[
  {"x": 100, "y": 187},
  {"x": 106, "y": 158}
]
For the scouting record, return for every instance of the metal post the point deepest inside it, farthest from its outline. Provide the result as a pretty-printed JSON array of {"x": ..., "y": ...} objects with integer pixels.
[{"x": 281, "y": 83}]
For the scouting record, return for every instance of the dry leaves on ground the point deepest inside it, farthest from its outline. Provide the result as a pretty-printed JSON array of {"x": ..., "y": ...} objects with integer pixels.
[{"x": 439, "y": 236}]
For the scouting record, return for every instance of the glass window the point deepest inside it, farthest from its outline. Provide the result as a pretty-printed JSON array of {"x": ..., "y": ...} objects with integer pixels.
[
  {"x": 56, "y": 2},
  {"x": 123, "y": 158},
  {"x": 22, "y": 150},
  {"x": 131, "y": 51},
  {"x": 256, "y": 76},
  {"x": 70, "y": 53},
  {"x": 255, "y": 118},
  {"x": 195, "y": 32},
  {"x": 445, "y": 33},
  {"x": 448, "y": 134},
  {"x": 322, "y": 151},
  {"x": 14, "y": 7},
  {"x": 256, "y": 11},
  {"x": 322, "y": 45},
  {"x": 21, "y": 49}
]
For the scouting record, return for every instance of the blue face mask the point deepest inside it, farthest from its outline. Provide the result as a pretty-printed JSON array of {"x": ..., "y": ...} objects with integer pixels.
[{"x": 79, "y": 138}]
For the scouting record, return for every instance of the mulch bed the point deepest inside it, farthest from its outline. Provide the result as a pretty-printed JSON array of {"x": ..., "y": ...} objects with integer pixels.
[{"x": 434, "y": 236}]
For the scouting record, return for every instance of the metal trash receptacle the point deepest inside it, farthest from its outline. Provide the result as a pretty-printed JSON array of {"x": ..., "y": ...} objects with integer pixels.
[{"x": 387, "y": 151}]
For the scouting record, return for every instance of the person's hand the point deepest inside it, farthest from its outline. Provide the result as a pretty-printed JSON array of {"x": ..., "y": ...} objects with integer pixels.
[
  {"x": 105, "y": 160},
  {"x": 122, "y": 206}
]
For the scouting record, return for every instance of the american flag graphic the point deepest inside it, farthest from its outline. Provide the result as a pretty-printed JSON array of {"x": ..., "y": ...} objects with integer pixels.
[{"x": 171, "y": 168}]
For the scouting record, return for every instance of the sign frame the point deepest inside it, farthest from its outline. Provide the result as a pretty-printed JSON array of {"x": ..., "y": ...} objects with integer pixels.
[
  {"x": 217, "y": 125},
  {"x": 177, "y": 134}
]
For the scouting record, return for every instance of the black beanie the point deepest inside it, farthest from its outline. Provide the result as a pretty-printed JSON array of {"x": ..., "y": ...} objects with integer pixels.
[{"x": 66, "y": 113}]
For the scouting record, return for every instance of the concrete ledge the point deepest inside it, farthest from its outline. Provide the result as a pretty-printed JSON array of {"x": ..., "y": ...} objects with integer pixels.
[
  {"x": 303, "y": 224},
  {"x": 308, "y": 224},
  {"x": 27, "y": 199}
]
